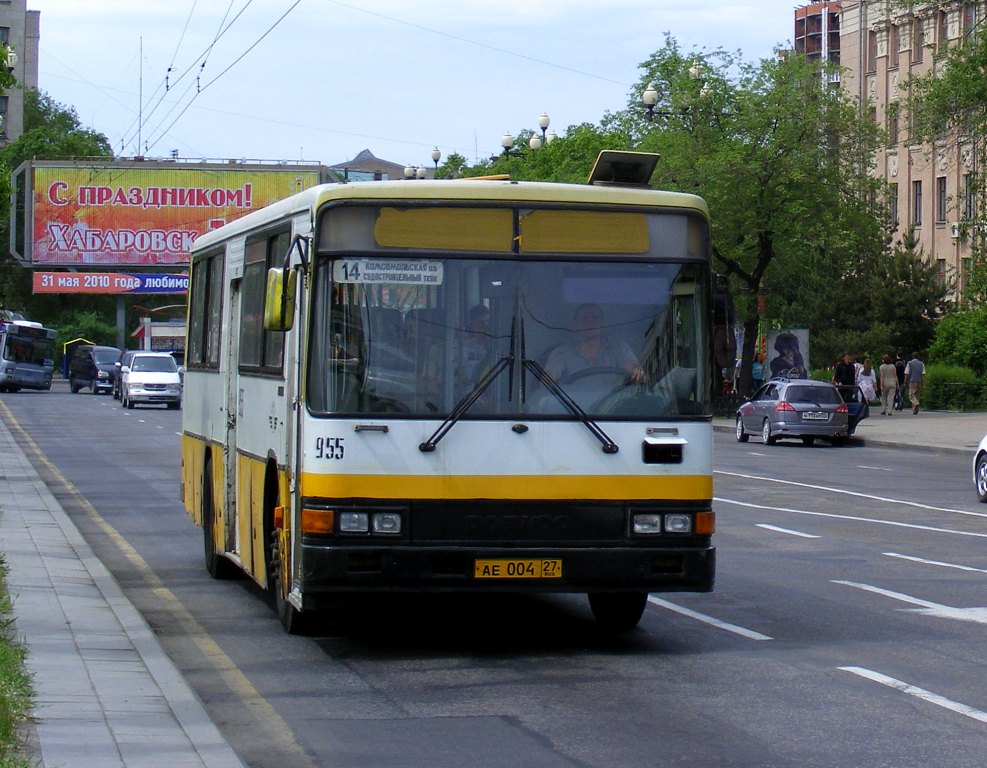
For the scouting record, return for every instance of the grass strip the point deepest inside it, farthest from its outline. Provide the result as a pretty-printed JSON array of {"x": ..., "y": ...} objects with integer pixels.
[{"x": 16, "y": 694}]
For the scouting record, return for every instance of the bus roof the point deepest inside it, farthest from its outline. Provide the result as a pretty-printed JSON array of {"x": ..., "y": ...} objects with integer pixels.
[{"x": 458, "y": 190}]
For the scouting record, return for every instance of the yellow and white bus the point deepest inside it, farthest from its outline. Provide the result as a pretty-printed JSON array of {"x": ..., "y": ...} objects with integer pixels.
[{"x": 456, "y": 386}]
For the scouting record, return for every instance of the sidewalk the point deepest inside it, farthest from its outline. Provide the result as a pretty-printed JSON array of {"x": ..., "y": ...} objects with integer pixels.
[
  {"x": 935, "y": 431},
  {"x": 107, "y": 695}
]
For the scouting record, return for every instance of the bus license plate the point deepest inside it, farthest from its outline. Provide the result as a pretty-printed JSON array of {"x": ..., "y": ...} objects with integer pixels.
[{"x": 518, "y": 569}]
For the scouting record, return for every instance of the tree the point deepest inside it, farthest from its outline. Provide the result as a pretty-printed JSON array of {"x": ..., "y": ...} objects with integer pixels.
[
  {"x": 52, "y": 131},
  {"x": 779, "y": 155}
]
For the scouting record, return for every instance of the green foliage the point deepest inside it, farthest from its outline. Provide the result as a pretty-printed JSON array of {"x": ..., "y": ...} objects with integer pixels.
[
  {"x": 85, "y": 325},
  {"x": 953, "y": 388},
  {"x": 961, "y": 340},
  {"x": 15, "y": 685}
]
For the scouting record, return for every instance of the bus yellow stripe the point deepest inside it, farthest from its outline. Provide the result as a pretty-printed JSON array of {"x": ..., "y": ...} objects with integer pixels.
[{"x": 603, "y": 487}]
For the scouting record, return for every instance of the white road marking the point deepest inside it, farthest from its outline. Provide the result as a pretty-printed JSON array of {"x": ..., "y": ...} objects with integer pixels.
[
  {"x": 748, "y": 633},
  {"x": 934, "y": 562},
  {"x": 786, "y": 530},
  {"x": 850, "y": 518},
  {"x": 830, "y": 489},
  {"x": 919, "y": 693},
  {"x": 878, "y": 469},
  {"x": 926, "y": 607}
]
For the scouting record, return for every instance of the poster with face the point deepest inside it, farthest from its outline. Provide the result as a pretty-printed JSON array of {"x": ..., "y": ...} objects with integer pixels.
[{"x": 788, "y": 353}]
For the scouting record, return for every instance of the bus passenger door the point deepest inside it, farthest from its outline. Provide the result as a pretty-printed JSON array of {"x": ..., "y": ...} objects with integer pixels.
[{"x": 233, "y": 405}]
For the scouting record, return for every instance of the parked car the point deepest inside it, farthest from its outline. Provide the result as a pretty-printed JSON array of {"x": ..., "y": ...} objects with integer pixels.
[
  {"x": 124, "y": 360},
  {"x": 795, "y": 408},
  {"x": 93, "y": 366},
  {"x": 151, "y": 377},
  {"x": 980, "y": 470}
]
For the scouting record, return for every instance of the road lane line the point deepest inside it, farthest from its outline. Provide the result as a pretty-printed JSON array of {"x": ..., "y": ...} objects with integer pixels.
[
  {"x": 850, "y": 518},
  {"x": 877, "y": 469},
  {"x": 786, "y": 530},
  {"x": 925, "y": 607},
  {"x": 750, "y": 634},
  {"x": 919, "y": 693},
  {"x": 934, "y": 562},
  {"x": 903, "y": 502}
]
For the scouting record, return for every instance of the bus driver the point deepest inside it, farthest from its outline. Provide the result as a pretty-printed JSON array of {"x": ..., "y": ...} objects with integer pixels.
[{"x": 592, "y": 349}]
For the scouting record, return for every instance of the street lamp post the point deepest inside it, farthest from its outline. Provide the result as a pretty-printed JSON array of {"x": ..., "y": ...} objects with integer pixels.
[
  {"x": 650, "y": 95},
  {"x": 535, "y": 142},
  {"x": 436, "y": 156}
]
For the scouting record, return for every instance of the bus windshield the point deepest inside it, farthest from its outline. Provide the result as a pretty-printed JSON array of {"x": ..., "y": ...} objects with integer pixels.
[
  {"x": 23, "y": 349},
  {"x": 622, "y": 339}
]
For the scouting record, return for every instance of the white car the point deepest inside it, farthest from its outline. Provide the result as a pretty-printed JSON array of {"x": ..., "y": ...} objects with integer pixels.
[
  {"x": 980, "y": 470},
  {"x": 151, "y": 377}
]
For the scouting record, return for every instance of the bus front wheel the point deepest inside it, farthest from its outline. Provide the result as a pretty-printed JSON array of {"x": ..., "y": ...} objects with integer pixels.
[
  {"x": 294, "y": 621},
  {"x": 618, "y": 611}
]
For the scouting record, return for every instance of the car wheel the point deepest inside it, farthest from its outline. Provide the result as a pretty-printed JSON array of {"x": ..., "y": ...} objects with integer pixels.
[
  {"x": 982, "y": 478},
  {"x": 766, "y": 435},
  {"x": 742, "y": 436},
  {"x": 808, "y": 441}
]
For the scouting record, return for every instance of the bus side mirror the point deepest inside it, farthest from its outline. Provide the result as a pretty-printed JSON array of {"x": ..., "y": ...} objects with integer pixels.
[{"x": 279, "y": 301}]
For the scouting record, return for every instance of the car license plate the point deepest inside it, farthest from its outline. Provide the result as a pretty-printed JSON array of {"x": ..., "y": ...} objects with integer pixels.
[
  {"x": 814, "y": 416},
  {"x": 550, "y": 568}
]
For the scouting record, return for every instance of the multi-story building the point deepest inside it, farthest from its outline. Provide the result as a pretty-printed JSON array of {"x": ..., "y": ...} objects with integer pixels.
[
  {"x": 817, "y": 30},
  {"x": 883, "y": 44},
  {"x": 20, "y": 32}
]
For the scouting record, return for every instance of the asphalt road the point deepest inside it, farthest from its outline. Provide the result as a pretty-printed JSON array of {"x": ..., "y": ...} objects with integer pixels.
[{"x": 846, "y": 628}]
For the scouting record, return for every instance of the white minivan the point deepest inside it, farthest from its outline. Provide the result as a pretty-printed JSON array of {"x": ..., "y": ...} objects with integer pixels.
[{"x": 151, "y": 377}]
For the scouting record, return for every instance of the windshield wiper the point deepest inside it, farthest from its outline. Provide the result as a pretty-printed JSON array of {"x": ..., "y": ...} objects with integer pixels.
[
  {"x": 469, "y": 400},
  {"x": 609, "y": 446}
]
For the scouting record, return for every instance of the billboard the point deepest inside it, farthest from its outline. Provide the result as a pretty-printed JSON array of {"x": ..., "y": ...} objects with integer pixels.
[
  {"x": 137, "y": 214},
  {"x": 109, "y": 282}
]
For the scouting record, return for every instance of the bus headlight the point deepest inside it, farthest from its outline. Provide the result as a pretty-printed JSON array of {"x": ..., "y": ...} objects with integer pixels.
[
  {"x": 678, "y": 523},
  {"x": 354, "y": 522},
  {"x": 647, "y": 522},
  {"x": 387, "y": 522}
]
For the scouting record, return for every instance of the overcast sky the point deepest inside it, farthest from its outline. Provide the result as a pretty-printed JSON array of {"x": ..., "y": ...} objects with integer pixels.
[{"x": 320, "y": 80}]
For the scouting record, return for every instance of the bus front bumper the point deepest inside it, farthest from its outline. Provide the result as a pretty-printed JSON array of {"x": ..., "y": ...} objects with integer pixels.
[{"x": 331, "y": 570}]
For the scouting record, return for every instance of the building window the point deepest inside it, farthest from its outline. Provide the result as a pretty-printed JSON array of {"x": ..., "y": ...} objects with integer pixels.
[
  {"x": 941, "y": 271},
  {"x": 893, "y": 205},
  {"x": 918, "y": 41},
  {"x": 872, "y": 51},
  {"x": 894, "y": 42},
  {"x": 942, "y": 31},
  {"x": 917, "y": 203},
  {"x": 969, "y": 196},
  {"x": 940, "y": 199},
  {"x": 5, "y": 36},
  {"x": 969, "y": 19},
  {"x": 893, "y": 112}
]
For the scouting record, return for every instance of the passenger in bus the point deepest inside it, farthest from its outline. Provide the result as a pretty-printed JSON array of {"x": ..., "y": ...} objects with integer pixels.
[
  {"x": 592, "y": 349},
  {"x": 469, "y": 359}
]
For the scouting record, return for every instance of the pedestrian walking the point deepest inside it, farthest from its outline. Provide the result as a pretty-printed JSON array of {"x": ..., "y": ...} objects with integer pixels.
[
  {"x": 899, "y": 367},
  {"x": 887, "y": 381},
  {"x": 866, "y": 379},
  {"x": 915, "y": 380}
]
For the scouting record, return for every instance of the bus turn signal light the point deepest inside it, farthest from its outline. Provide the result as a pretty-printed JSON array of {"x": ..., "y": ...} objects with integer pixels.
[
  {"x": 318, "y": 521},
  {"x": 278, "y": 518},
  {"x": 705, "y": 523}
]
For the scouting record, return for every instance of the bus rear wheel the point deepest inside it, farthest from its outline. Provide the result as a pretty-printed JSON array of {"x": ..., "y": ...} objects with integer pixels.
[{"x": 618, "y": 611}]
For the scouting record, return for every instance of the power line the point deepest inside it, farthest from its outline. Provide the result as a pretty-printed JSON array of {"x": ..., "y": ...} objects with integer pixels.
[{"x": 233, "y": 64}]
